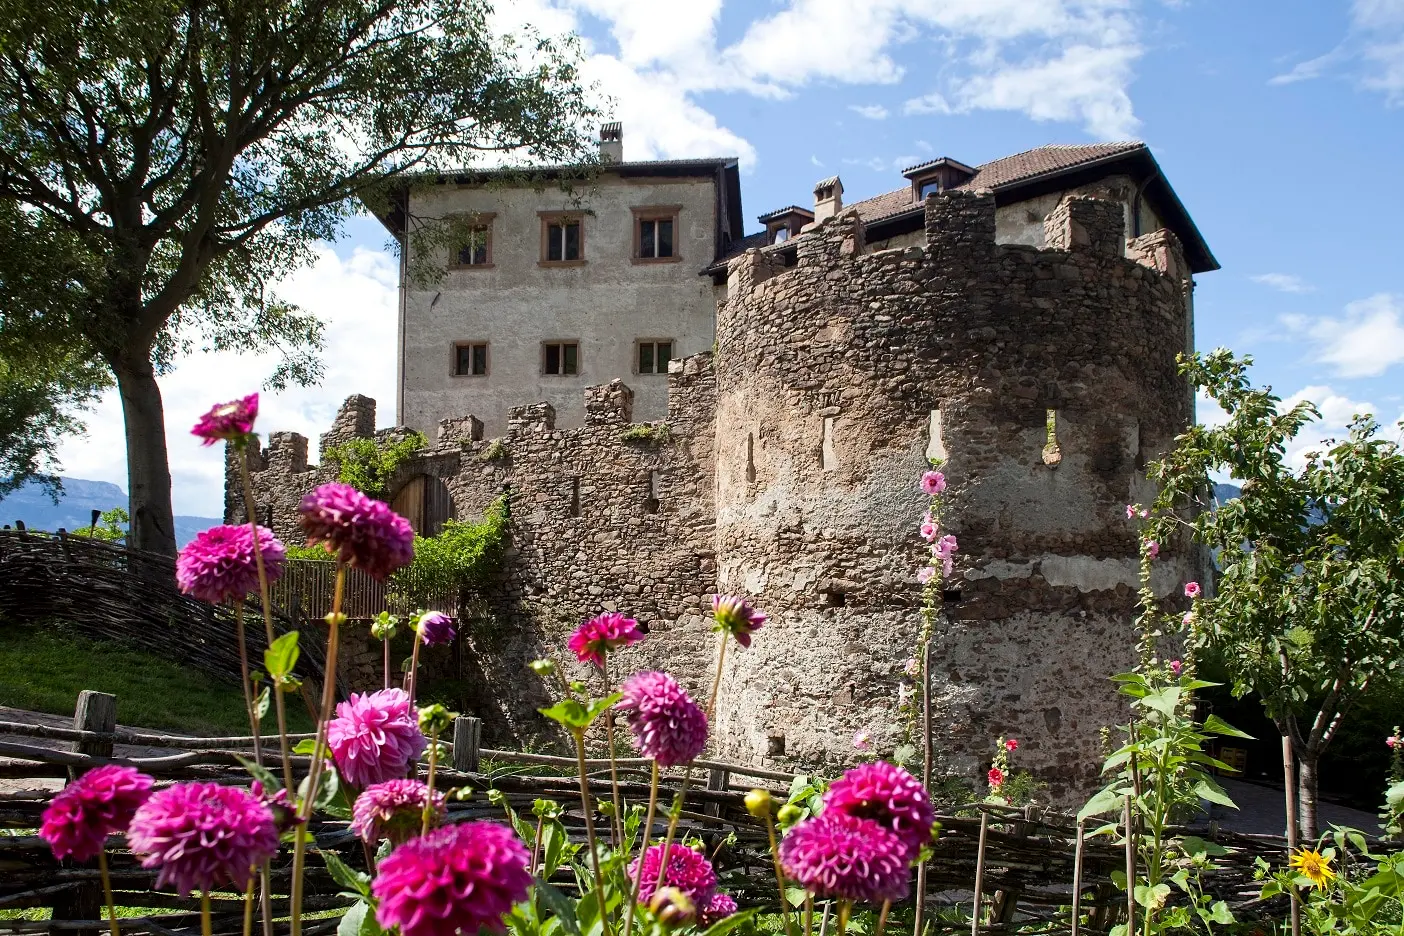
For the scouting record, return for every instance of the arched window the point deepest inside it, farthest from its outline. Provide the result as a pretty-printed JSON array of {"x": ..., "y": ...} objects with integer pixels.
[{"x": 426, "y": 503}]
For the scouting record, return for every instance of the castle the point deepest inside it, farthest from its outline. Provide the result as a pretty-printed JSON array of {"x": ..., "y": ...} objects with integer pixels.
[{"x": 849, "y": 350}]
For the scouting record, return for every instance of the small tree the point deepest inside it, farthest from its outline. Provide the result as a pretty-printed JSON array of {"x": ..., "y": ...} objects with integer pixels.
[{"x": 1308, "y": 609}]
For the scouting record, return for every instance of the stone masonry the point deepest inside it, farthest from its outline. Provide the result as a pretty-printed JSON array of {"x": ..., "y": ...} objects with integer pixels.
[{"x": 1046, "y": 380}]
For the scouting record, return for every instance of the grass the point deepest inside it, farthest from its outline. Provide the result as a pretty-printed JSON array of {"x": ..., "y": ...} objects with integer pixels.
[{"x": 44, "y": 667}]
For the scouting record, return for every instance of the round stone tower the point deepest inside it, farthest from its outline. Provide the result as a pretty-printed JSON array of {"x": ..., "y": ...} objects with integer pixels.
[{"x": 1045, "y": 379}]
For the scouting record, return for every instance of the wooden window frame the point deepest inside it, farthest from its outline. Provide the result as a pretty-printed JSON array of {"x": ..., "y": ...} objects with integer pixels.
[
  {"x": 672, "y": 352},
  {"x": 557, "y": 217},
  {"x": 483, "y": 221},
  {"x": 453, "y": 358},
  {"x": 562, "y": 342},
  {"x": 657, "y": 213}
]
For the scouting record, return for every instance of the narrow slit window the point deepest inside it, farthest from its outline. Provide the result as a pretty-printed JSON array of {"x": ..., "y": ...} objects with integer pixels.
[
  {"x": 575, "y": 497},
  {"x": 651, "y": 502},
  {"x": 560, "y": 358},
  {"x": 750, "y": 456},
  {"x": 828, "y": 460},
  {"x": 1052, "y": 451}
]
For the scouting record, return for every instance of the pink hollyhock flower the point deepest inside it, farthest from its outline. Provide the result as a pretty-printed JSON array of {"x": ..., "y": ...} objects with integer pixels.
[
  {"x": 996, "y": 776},
  {"x": 925, "y": 574},
  {"x": 933, "y": 482},
  {"x": 735, "y": 617},
  {"x": 912, "y": 667},
  {"x": 601, "y": 634},
  {"x": 836, "y": 854},
  {"x": 1392, "y": 741},
  {"x": 688, "y": 870},
  {"x": 945, "y": 547},
  {"x": 100, "y": 803},
  {"x": 358, "y": 530},
  {"x": 436, "y": 629},
  {"x": 457, "y": 879},
  {"x": 1188, "y": 619},
  {"x": 667, "y": 725},
  {"x": 375, "y": 737},
  {"x": 1175, "y": 667},
  {"x": 929, "y": 529},
  {"x": 394, "y": 810},
  {"x": 1130, "y": 511},
  {"x": 1011, "y": 745},
  {"x": 1192, "y": 589},
  {"x": 1145, "y": 513},
  {"x": 228, "y": 421},
  {"x": 719, "y": 907},
  {"x": 218, "y": 565},
  {"x": 200, "y": 835},
  {"x": 862, "y": 741},
  {"x": 1152, "y": 548},
  {"x": 888, "y": 795}
]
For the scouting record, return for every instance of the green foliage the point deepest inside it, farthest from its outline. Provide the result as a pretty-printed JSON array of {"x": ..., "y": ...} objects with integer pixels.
[
  {"x": 110, "y": 528},
  {"x": 462, "y": 555},
  {"x": 496, "y": 451},
  {"x": 308, "y": 553},
  {"x": 368, "y": 465},
  {"x": 1365, "y": 897},
  {"x": 653, "y": 434}
]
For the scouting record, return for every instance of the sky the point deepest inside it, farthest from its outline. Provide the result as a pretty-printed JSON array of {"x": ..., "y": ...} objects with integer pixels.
[{"x": 1280, "y": 124}]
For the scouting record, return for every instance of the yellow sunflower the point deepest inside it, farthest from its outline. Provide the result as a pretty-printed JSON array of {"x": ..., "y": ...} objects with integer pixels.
[{"x": 1313, "y": 866}]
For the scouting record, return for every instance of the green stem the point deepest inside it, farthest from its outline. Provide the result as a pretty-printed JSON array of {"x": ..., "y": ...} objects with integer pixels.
[
  {"x": 809, "y": 915},
  {"x": 844, "y": 907},
  {"x": 674, "y": 815},
  {"x": 618, "y": 824},
  {"x": 780, "y": 875},
  {"x": 107, "y": 892},
  {"x": 589, "y": 811},
  {"x": 716, "y": 683},
  {"x": 249, "y": 903},
  {"x": 882, "y": 917},
  {"x": 433, "y": 762},
  {"x": 247, "y": 682},
  {"x": 205, "y": 927},
  {"x": 414, "y": 664},
  {"x": 643, "y": 849}
]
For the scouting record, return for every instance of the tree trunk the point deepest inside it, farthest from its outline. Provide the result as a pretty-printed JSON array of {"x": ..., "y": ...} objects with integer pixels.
[
  {"x": 148, "y": 471},
  {"x": 1306, "y": 793}
]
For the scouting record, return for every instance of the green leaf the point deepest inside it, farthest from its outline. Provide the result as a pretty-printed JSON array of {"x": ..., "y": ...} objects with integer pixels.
[
  {"x": 727, "y": 924},
  {"x": 359, "y": 921},
  {"x": 355, "y": 881},
  {"x": 569, "y": 713},
  {"x": 280, "y": 658},
  {"x": 270, "y": 781},
  {"x": 794, "y": 896},
  {"x": 261, "y": 703},
  {"x": 554, "y": 840},
  {"x": 1165, "y": 701},
  {"x": 1218, "y": 726},
  {"x": 1221, "y": 914},
  {"x": 1194, "y": 845},
  {"x": 1208, "y": 789},
  {"x": 1104, "y": 801},
  {"x": 600, "y": 706},
  {"x": 561, "y": 907},
  {"x": 308, "y": 746},
  {"x": 1152, "y": 898}
]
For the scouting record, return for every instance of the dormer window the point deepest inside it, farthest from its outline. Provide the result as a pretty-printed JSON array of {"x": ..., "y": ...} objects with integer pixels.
[
  {"x": 780, "y": 235},
  {"x": 785, "y": 223},
  {"x": 936, "y": 176},
  {"x": 929, "y": 187}
]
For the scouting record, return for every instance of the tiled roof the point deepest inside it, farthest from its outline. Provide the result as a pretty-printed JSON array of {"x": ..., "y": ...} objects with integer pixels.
[{"x": 788, "y": 209}]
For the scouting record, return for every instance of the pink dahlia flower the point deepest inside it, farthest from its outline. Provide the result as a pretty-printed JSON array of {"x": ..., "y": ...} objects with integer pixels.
[
  {"x": 889, "y": 796},
  {"x": 601, "y": 634},
  {"x": 933, "y": 482},
  {"x": 1192, "y": 589},
  {"x": 457, "y": 879},
  {"x": 200, "y": 835},
  {"x": 688, "y": 870},
  {"x": 358, "y": 530},
  {"x": 996, "y": 777},
  {"x": 667, "y": 725},
  {"x": 839, "y": 855},
  {"x": 231, "y": 421},
  {"x": 218, "y": 565},
  {"x": 375, "y": 737},
  {"x": 100, "y": 803},
  {"x": 719, "y": 907},
  {"x": 436, "y": 629},
  {"x": 1011, "y": 745},
  {"x": 1152, "y": 549},
  {"x": 737, "y": 618},
  {"x": 394, "y": 810}
]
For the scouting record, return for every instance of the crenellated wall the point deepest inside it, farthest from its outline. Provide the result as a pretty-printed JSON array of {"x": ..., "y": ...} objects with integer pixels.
[{"x": 1044, "y": 377}]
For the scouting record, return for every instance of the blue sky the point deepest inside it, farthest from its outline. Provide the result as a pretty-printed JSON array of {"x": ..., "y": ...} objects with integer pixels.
[{"x": 1280, "y": 124}]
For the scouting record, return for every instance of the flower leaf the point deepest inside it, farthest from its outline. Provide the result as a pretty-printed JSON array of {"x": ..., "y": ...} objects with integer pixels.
[
  {"x": 728, "y": 923},
  {"x": 569, "y": 713},
  {"x": 1218, "y": 726},
  {"x": 355, "y": 881},
  {"x": 359, "y": 921},
  {"x": 260, "y": 773},
  {"x": 562, "y": 907},
  {"x": 280, "y": 658}
]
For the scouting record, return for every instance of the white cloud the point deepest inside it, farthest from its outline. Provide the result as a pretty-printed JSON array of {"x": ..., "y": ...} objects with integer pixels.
[
  {"x": 1365, "y": 341},
  {"x": 357, "y": 300},
  {"x": 870, "y": 111},
  {"x": 1371, "y": 53},
  {"x": 933, "y": 103},
  {"x": 1337, "y": 410},
  {"x": 1283, "y": 282}
]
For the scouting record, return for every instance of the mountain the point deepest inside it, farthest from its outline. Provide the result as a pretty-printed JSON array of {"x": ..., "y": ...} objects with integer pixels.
[
  {"x": 74, "y": 510},
  {"x": 1223, "y": 492}
]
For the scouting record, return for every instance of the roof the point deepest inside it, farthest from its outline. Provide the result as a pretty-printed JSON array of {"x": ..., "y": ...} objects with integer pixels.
[
  {"x": 938, "y": 161},
  {"x": 1044, "y": 169},
  {"x": 778, "y": 212}
]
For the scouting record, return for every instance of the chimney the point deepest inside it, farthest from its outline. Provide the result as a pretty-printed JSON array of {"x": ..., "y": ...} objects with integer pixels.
[
  {"x": 828, "y": 198},
  {"x": 612, "y": 142}
]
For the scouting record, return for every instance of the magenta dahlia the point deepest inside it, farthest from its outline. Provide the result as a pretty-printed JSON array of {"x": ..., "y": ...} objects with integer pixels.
[
  {"x": 218, "y": 565},
  {"x": 231, "y": 421},
  {"x": 719, "y": 907},
  {"x": 601, "y": 634},
  {"x": 839, "y": 855},
  {"x": 375, "y": 737},
  {"x": 456, "y": 879},
  {"x": 99, "y": 803},
  {"x": 888, "y": 795},
  {"x": 688, "y": 870},
  {"x": 735, "y": 617},
  {"x": 667, "y": 725},
  {"x": 358, "y": 530},
  {"x": 436, "y": 629},
  {"x": 394, "y": 810},
  {"x": 200, "y": 835}
]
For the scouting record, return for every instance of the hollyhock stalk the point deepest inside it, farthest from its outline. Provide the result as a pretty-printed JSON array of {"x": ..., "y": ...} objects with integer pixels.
[
  {"x": 643, "y": 848},
  {"x": 589, "y": 811}
]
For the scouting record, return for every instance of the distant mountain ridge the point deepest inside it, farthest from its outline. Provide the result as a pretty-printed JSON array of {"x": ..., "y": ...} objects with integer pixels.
[{"x": 74, "y": 511}]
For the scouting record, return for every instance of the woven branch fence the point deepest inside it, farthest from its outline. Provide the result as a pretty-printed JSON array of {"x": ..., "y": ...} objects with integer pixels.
[{"x": 1026, "y": 863}]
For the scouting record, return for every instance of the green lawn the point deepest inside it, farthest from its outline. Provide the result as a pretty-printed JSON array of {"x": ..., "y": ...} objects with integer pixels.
[{"x": 43, "y": 668}]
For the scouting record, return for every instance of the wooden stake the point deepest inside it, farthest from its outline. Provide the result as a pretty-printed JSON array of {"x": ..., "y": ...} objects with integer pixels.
[
  {"x": 1130, "y": 866},
  {"x": 1077, "y": 878},
  {"x": 979, "y": 873}
]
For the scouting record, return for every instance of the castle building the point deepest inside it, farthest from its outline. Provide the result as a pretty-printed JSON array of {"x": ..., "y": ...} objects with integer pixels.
[{"x": 1018, "y": 320}]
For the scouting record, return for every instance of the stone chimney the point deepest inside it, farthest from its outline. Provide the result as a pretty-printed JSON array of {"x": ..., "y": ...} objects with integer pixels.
[
  {"x": 828, "y": 198},
  {"x": 612, "y": 142}
]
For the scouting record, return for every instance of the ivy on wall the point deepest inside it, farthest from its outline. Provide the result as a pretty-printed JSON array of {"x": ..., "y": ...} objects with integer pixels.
[{"x": 368, "y": 464}]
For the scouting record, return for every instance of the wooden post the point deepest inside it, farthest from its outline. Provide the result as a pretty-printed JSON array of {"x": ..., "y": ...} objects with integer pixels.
[
  {"x": 979, "y": 873},
  {"x": 1077, "y": 877},
  {"x": 1130, "y": 866},
  {"x": 718, "y": 779},
  {"x": 467, "y": 735},
  {"x": 96, "y": 711}
]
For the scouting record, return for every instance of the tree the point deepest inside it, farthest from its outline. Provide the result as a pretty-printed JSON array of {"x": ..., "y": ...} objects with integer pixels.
[
  {"x": 1308, "y": 610},
  {"x": 189, "y": 153}
]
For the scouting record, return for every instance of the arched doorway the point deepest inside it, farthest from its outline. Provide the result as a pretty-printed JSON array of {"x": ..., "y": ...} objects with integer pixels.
[{"x": 426, "y": 503}]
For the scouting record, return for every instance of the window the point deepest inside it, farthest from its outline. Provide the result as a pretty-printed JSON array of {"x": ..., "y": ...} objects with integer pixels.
[
  {"x": 562, "y": 238},
  {"x": 655, "y": 233},
  {"x": 653, "y": 356},
  {"x": 470, "y": 360},
  {"x": 561, "y": 358},
  {"x": 475, "y": 249},
  {"x": 929, "y": 187},
  {"x": 780, "y": 235}
]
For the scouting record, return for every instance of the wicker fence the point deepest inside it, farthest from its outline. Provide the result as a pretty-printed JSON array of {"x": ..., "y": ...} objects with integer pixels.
[
  {"x": 305, "y": 591},
  {"x": 1022, "y": 866}
]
